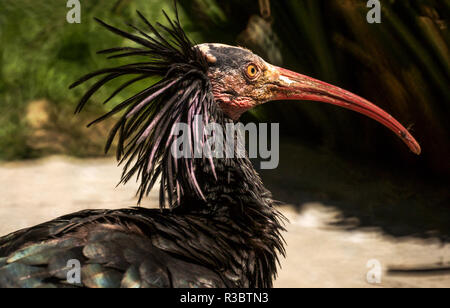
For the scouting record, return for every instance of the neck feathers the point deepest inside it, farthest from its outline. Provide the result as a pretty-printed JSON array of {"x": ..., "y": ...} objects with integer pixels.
[
  {"x": 226, "y": 190},
  {"x": 144, "y": 131}
]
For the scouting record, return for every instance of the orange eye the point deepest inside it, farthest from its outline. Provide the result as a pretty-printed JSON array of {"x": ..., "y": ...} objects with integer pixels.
[{"x": 252, "y": 71}]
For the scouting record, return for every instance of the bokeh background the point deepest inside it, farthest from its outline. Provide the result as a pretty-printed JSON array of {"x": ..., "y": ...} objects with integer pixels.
[
  {"x": 402, "y": 65},
  {"x": 328, "y": 155}
]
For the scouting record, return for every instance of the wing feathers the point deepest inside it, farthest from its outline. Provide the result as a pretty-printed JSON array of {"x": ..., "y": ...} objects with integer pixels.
[{"x": 110, "y": 256}]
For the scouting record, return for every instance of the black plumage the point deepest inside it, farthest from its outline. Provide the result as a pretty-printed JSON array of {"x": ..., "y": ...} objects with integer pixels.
[
  {"x": 221, "y": 229},
  {"x": 144, "y": 130},
  {"x": 135, "y": 248},
  {"x": 217, "y": 225}
]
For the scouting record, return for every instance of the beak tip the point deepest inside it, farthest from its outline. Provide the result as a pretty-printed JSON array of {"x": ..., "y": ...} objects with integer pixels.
[
  {"x": 415, "y": 147},
  {"x": 418, "y": 151}
]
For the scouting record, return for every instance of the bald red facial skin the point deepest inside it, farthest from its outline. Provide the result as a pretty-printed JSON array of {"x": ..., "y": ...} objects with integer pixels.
[
  {"x": 232, "y": 104},
  {"x": 235, "y": 108},
  {"x": 236, "y": 90}
]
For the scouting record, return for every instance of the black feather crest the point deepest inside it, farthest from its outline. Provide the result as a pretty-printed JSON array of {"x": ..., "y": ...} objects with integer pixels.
[{"x": 144, "y": 130}]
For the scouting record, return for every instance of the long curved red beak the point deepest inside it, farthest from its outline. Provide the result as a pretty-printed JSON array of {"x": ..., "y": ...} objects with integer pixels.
[{"x": 294, "y": 86}]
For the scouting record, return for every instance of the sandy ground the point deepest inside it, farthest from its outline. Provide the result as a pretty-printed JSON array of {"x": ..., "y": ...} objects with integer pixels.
[{"x": 320, "y": 253}]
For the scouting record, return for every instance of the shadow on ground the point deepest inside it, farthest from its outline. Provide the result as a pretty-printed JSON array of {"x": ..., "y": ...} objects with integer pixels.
[{"x": 368, "y": 196}]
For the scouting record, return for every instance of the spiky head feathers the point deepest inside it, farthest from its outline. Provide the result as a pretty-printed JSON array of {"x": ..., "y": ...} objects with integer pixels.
[{"x": 144, "y": 130}]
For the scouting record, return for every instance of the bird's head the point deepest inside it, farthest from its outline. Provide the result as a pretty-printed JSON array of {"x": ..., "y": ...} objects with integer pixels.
[
  {"x": 218, "y": 82},
  {"x": 242, "y": 80}
]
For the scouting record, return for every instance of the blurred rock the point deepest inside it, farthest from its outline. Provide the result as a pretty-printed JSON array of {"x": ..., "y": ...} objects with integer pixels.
[
  {"x": 261, "y": 39},
  {"x": 37, "y": 113},
  {"x": 53, "y": 129}
]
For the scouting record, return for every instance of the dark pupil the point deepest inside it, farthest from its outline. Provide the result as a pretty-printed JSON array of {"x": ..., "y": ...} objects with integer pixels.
[{"x": 253, "y": 70}]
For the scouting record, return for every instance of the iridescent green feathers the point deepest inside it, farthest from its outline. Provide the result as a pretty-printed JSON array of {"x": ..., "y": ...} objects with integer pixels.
[{"x": 110, "y": 255}]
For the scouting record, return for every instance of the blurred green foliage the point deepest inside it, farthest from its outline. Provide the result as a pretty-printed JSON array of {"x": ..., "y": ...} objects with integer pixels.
[
  {"x": 402, "y": 65},
  {"x": 42, "y": 54}
]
